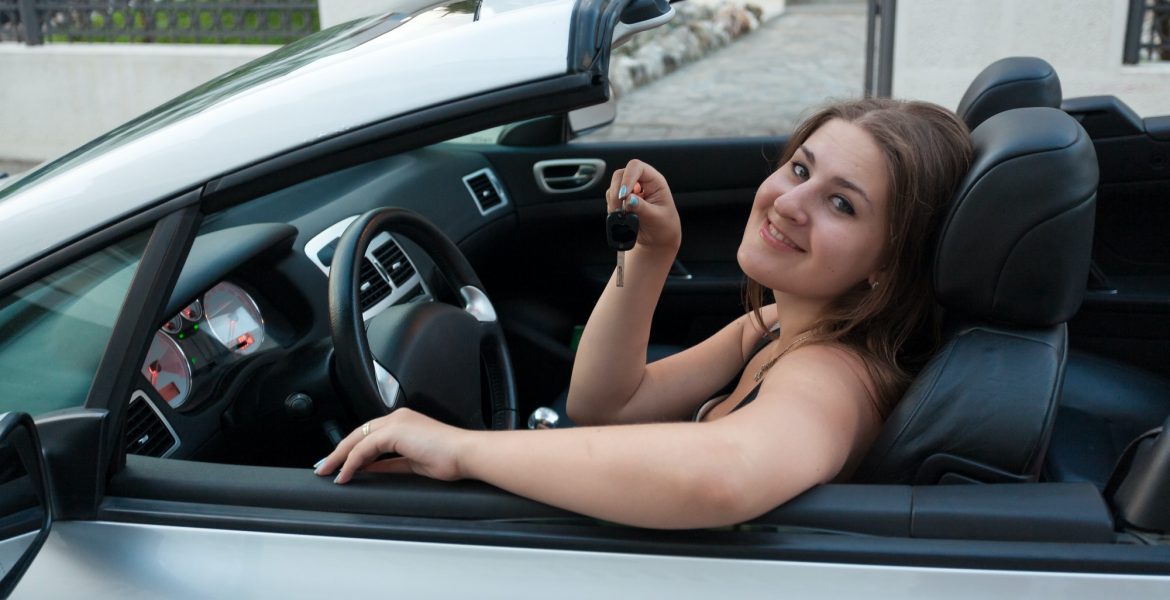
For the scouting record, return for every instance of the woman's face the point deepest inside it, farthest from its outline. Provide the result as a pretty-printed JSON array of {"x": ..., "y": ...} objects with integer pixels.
[{"x": 819, "y": 224}]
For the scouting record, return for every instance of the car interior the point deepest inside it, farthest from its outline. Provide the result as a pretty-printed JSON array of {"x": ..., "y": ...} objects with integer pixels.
[{"x": 1026, "y": 426}]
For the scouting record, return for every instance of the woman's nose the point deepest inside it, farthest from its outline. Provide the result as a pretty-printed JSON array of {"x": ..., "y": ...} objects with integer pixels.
[{"x": 791, "y": 205}]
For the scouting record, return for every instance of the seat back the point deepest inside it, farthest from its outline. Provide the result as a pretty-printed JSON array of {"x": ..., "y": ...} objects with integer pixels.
[
  {"x": 1009, "y": 83},
  {"x": 1009, "y": 269}
]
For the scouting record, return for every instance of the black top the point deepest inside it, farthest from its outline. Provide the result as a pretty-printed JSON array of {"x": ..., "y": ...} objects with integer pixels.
[{"x": 730, "y": 387}]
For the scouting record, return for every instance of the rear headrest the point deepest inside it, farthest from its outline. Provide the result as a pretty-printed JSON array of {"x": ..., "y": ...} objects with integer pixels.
[
  {"x": 1016, "y": 243},
  {"x": 1014, "y": 82}
]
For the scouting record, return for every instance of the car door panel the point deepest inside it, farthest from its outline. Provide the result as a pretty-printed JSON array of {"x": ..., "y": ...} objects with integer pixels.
[
  {"x": 168, "y": 561},
  {"x": 546, "y": 277},
  {"x": 713, "y": 182},
  {"x": 1125, "y": 311}
]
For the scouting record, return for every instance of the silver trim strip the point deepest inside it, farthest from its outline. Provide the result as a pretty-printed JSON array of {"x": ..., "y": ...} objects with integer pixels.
[
  {"x": 589, "y": 172},
  {"x": 495, "y": 184},
  {"x": 333, "y": 232}
]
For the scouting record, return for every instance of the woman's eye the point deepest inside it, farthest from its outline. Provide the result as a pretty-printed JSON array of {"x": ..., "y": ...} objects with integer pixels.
[
  {"x": 842, "y": 205},
  {"x": 800, "y": 170}
]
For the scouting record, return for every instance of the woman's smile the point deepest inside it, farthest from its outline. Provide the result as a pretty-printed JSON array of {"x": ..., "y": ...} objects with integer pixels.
[{"x": 776, "y": 238}]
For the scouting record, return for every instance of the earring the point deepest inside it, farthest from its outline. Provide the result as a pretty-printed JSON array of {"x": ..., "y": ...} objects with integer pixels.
[{"x": 873, "y": 284}]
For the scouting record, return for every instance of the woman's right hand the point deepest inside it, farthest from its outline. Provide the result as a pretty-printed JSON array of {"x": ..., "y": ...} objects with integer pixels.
[{"x": 658, "y": 223}]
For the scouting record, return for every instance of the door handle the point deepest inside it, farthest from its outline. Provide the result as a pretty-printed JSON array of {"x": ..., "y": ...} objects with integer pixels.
[{"x": 565, "y": 175}]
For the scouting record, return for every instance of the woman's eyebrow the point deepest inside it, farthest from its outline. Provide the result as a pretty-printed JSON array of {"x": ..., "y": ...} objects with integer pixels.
[
  {"x": 845, "y": 183},
  {"x": 841, "y": 181}
]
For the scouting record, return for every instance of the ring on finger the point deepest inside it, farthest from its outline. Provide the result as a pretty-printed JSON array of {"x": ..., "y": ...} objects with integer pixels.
[{"x": 365, "y": 429}]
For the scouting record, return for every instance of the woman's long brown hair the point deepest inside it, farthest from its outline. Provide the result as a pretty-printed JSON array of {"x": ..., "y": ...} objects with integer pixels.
[{"x": 893, "y": 327}]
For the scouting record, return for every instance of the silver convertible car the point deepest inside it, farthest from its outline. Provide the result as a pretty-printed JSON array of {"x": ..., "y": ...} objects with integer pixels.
[{"x": 197, "y": 305}]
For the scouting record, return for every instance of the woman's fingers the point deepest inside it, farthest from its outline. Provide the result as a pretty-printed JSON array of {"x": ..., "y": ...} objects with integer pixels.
[
  {"x": 365, "y": 452},
  {"x": 334, "y": 459}
]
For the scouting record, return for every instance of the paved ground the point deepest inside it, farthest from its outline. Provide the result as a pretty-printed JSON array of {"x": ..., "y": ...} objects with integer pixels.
[
  {"x": 12, "y": 167},
  {"x": 761, "y": 84}
]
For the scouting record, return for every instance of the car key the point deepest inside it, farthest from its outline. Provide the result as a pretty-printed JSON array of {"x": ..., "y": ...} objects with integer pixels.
[{"x": 621, "y": 232}]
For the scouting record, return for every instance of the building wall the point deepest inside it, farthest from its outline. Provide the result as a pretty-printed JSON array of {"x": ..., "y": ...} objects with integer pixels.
[
  {"x": 941, "y": 45},
  {"x": 56, "y": 97},
  {"x": 68, "y": 94}
]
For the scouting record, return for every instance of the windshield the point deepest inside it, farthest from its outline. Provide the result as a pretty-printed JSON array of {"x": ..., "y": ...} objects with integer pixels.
[{"x": 54, "y": 331}]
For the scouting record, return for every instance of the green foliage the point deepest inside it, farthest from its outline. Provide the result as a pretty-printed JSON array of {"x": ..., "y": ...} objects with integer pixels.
[{"x": 187, "y": 22}]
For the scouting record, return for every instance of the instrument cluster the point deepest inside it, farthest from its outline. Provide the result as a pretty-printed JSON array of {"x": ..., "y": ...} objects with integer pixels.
[{"x": 223, "y": 325}]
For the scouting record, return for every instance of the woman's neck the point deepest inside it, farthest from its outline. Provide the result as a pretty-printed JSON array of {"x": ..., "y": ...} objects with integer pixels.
[{"x": 796, "y": 315}]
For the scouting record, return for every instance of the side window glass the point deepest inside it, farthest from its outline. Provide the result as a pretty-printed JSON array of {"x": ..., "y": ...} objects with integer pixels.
[{"x": 53, "y": 331}]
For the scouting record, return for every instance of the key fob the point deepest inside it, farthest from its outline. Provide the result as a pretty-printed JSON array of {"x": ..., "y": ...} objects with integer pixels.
[{"x": 621, "y": 230}]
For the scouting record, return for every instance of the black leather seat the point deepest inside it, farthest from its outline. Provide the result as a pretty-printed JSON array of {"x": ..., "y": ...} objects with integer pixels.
[
  {"x": 1105, "y": 404},
  {"x": 1013, "y": 82},
  {"x": 1010, "y": 269}
]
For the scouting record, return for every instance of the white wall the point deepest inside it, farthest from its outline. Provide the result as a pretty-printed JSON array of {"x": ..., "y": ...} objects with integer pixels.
[
  {"x": 941, "y": 45},
  {"x": 339, "y": 11},
  {"x": 56, "y": 97}
]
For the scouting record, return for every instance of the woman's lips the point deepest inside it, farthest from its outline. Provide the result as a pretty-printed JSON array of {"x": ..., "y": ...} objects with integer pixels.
[{"x": 777, "y": 239}]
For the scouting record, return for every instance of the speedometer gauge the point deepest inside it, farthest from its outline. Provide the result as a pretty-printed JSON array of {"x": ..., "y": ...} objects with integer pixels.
[
  {"x": 167, "y": 369},
  {"x": 174, "y": 326},
  {"x": 233, "y": 318},
  {"x": 193, "y": 312}
]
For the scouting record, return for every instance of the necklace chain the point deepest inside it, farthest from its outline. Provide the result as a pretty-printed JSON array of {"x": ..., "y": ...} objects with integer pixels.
[{"x": 768, "y": 365}]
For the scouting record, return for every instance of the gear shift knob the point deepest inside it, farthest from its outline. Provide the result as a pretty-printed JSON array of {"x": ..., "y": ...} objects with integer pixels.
[{"x": 543, "y": 418}]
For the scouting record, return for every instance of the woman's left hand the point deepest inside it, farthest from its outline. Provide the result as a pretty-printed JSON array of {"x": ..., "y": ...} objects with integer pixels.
[{"x": 427, "y": 447}]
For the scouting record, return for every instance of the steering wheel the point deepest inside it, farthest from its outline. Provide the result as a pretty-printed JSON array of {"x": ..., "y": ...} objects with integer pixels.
[{"x": 424, "y": 355}]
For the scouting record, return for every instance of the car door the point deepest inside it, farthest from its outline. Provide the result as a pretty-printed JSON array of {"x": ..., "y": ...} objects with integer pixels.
[
  {"x": 1124, "y": 314},
  {"x": 556, "y": 262}
]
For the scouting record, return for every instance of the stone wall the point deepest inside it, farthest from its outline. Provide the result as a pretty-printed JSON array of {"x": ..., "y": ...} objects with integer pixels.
[{"x": 696, "y": 30}]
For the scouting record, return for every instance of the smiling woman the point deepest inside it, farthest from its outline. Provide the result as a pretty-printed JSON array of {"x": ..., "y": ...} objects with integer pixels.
[
  {"x": 854, "y": 205},
  {"x": 285, "y": 207}
]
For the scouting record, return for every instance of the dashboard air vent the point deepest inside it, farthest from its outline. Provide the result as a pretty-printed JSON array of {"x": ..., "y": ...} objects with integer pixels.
[
  {"x": 146, "y": 432},
  {"x": 485, "y": 190},
  {"x": 373, "y": 287},
  {"x": 394, "y": 262}
]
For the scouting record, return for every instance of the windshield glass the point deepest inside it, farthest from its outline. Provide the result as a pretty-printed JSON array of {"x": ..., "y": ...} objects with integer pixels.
[{"x": 54, "y": 331}]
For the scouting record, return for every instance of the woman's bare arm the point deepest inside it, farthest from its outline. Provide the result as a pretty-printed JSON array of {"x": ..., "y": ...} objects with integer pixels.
[{"x": 811, "y": 416}]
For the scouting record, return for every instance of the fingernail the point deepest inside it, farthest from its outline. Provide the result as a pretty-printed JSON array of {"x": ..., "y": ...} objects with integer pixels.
[
  {"x": 622, "y": 192},
  {"x": 336, "y": 479},
  {"x": 633, "y": 202},
  {"x": 317, "y": 465}
]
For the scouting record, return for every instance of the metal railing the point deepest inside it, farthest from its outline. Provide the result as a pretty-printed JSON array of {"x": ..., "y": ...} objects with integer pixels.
[
  {"x": 880, "y": 16},
  {"x": 1147, "y": 36},
  {"x": 164, "y": 21}
]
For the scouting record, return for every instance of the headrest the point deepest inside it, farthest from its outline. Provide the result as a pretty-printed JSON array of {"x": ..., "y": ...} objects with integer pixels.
[
  {"x": 1014, "y": 82},
  {"x": 1016, "y": 242}
]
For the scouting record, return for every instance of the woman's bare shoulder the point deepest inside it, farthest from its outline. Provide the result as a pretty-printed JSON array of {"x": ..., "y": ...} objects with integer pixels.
[
  {"x": 752, "y": 331},
  {"x": 833, "y": 365}
]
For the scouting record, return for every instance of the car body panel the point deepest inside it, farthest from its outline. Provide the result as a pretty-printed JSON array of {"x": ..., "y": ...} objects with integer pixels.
[
  {"x": 213, "y": 563},
  {"x": 286, "y": 101}
]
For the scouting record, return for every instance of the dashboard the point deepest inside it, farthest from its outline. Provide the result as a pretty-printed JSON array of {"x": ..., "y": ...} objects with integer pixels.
[
  {"x": 243, "y": 361},
  {"x": 221, "y": 326}
]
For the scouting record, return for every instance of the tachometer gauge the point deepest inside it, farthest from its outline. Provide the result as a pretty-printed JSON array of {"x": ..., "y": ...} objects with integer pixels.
[
  {"x": 174, "y": 326},
  {"x": 233, "y": 318},
  {"x": 167, "y": 369},
  {"x": 193, "y": 312}
]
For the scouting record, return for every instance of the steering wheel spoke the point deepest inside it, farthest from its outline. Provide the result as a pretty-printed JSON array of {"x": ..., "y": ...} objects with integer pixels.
[
  {"x": 476, "y": 303},
  {"x": 388, "y": 387}
]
